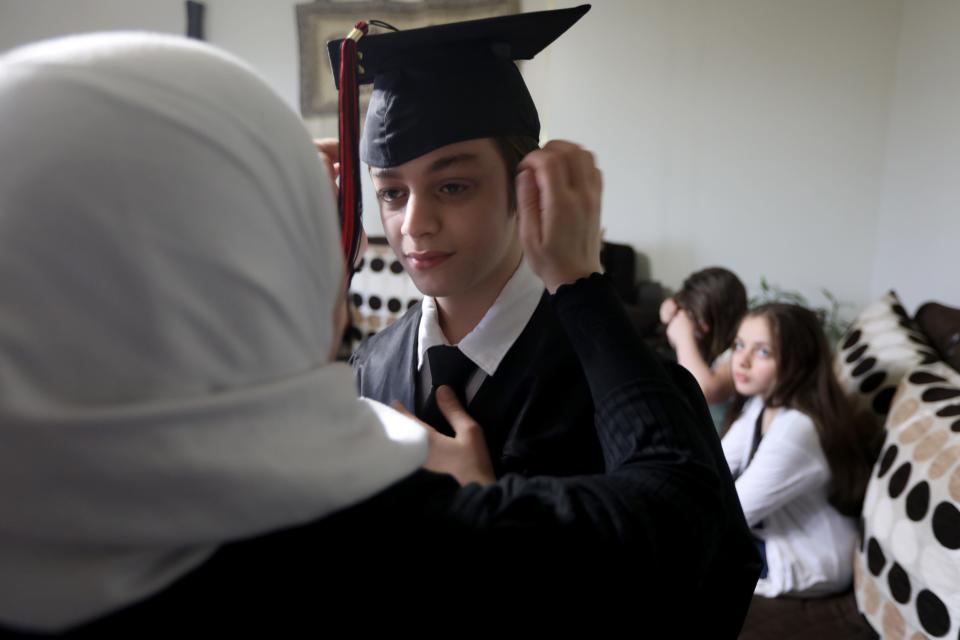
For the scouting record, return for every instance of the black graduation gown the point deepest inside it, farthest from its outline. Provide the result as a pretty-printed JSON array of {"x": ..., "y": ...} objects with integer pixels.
[
  {"x": 658, "y": 542},
  {"x": 536, "y": 411}
]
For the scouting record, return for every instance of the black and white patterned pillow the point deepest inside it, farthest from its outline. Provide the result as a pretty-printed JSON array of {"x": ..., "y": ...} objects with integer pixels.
[
  {"x": 881, "y": 346},
  {"x": 380, "y": 292},
  {"x": 907, "y": 572}
]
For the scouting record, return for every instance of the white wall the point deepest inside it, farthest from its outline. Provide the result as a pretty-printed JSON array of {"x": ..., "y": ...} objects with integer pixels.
[
  {"x": 747, "y": 133},
  {"x": 23, "y": 21},
  {"x": 261, "y": 32},
  {"x": 918, "y": 245}
]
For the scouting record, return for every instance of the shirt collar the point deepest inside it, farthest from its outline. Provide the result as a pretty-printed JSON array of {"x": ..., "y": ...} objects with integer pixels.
[{"x": 496, "y": 332}]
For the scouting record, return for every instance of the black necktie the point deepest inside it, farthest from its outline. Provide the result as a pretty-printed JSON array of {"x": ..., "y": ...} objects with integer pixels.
[{"x": 448, "y": 366}]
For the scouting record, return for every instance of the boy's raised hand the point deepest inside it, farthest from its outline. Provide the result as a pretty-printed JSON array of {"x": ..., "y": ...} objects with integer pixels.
[{"x": 559, "y": 191}]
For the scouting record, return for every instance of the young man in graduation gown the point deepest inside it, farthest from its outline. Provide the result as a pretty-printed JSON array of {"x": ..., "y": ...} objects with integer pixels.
[{"x": 449, "y": 120}]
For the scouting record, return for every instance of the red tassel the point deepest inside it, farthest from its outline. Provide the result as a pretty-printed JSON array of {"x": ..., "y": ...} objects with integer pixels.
[{"x": 350, "y": 202}]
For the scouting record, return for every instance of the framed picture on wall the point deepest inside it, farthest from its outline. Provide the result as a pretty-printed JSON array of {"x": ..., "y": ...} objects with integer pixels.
[{"x": 324, "y": 20}]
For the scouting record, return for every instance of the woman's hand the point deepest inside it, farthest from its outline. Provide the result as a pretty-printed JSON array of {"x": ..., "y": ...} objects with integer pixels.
[
  {"x": 465, "y": 456},
  {"x": 559, "y": 190},
  {"x": 329, "y": 150}
]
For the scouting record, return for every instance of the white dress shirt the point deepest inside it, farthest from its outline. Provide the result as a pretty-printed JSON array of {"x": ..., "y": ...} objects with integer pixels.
[{"x": 488, "y": 342}]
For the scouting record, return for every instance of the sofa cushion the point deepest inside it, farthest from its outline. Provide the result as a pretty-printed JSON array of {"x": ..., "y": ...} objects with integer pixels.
[
  {"x": 831, "y": 618},
  {"x": 941, "y": 325},
  {"x": 381, "y": 291},
  {"x": 907, "y": 571},
  {"x": 881, "y": 346}
]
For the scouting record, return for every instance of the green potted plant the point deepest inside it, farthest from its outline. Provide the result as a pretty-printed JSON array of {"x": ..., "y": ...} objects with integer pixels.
[{"x": 834, "y": 324}]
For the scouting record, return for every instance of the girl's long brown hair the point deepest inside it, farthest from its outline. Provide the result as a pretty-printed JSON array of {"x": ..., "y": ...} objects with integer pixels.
[
  {"x": 716, "y": 300},
  {"x": 806, "y": 382}
]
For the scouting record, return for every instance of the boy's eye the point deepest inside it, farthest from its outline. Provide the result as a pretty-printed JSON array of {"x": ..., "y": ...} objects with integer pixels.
[
  {"x": 738, "y": 345},
  {"x": 389, "y": 195},
  {"x": 763, "y": 352},
  {"x": 453, "y": 188}
]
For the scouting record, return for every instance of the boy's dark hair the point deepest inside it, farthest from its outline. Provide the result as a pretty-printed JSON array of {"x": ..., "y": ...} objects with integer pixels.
[
  {"x": 513, "y": 149},
  {"x": 716, "y": 300}
]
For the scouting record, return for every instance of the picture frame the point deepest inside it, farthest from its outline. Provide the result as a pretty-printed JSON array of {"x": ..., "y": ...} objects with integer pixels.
[{"x": 324, "y": 20}]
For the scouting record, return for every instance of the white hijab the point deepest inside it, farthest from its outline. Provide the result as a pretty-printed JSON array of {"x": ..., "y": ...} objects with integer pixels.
[{"x": 169, "y": 266}]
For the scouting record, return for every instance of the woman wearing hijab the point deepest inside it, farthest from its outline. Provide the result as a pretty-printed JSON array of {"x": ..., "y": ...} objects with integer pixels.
[{"x": 178, "y": 451}]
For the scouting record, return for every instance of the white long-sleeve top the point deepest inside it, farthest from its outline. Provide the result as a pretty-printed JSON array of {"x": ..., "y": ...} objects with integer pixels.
[{"x": 784, "y": 490}]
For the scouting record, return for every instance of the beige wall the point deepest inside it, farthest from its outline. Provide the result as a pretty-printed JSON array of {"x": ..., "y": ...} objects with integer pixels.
[{"x": 918, "y": 244}]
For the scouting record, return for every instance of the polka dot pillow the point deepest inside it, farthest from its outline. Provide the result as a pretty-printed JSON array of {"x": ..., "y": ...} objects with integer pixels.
[
  {"x": 907, "y": 573},
  {"x": 881, "y": 346},
  {"x": 381, "y": 291}
]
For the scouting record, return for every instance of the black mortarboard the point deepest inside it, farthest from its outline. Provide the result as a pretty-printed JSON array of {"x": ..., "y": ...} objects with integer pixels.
[
  {"x": 442, "y": 84},
  {"x": 452, "y": 82}
]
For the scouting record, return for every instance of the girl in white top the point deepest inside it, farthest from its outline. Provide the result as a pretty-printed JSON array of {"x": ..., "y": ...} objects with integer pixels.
[{"x": 800, "y": 459}]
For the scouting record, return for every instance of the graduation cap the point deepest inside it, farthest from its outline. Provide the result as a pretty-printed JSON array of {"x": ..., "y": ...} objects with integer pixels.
[{"x": 432, "y": 87}]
